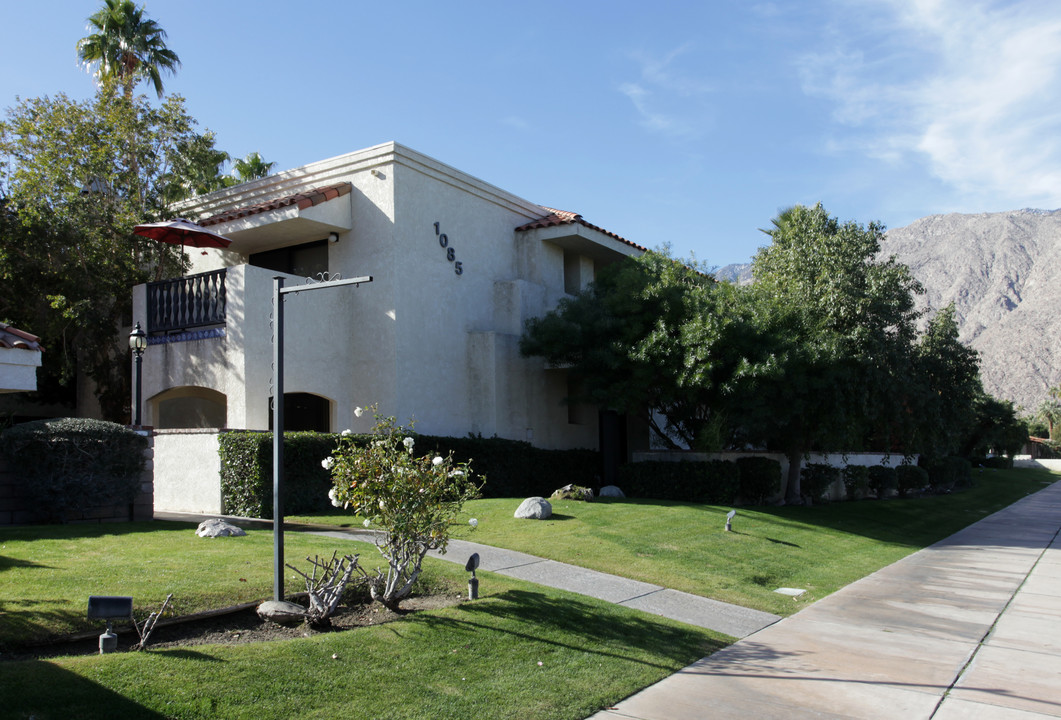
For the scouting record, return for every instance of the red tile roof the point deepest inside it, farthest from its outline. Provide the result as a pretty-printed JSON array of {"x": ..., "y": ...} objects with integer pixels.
[
  {"x": 303, "y": 200},
  {"x": 563, "y": 217},
  {"x": 14, "y": 338}
]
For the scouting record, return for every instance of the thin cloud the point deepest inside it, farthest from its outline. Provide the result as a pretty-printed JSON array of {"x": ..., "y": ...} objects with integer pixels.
[
  {"x": 971, "y": 88},
  {"x": 665, "y": 96}
]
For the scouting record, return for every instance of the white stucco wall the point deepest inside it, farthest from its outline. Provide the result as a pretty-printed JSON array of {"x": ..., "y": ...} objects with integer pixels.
[
  {"x": 187, "y": 472},
  {"x": 422, "y": 341},
  {"x": 18, "y": 369}
]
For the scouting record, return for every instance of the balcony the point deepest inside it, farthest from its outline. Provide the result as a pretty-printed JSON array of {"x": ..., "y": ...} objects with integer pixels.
[{"x": 187, "y": 302}]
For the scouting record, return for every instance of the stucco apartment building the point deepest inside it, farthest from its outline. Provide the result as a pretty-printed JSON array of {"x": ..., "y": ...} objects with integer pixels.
[{"x": 457, "y": 268}]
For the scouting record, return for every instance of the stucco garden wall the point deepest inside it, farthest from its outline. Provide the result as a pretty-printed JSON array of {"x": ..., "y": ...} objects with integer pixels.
[{"x": 187, "y": 471}]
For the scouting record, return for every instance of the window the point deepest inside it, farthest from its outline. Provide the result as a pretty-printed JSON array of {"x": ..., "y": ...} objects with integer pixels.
[
  {"x": 305, "y": 412},
  {"x": 307, "y": 260}
]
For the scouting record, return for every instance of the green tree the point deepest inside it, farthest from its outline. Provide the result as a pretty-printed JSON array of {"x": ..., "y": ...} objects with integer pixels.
[
  {"x": 127, "y": 47},
  {"x": 944, "y": 389},
  {"x": 651, "y": 337},
  {"x": 251, "y": 167},
  {"x": 844, "y": 322},
  {"x": 75, "y": 177}
]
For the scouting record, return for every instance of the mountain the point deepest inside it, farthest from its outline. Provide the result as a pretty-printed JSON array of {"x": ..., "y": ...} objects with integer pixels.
[
  {"x": 738, "y": 273},
  {"x": 1002, "y": 271}
]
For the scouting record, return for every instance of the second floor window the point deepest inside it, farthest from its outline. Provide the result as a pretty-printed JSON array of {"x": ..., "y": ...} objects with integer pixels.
[{"x": 306, "y": 260}]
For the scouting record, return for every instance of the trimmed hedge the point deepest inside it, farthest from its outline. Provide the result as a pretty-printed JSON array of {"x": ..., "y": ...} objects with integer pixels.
[
  {"x": 856, "y": 481},
  {"x": 948, "y": 473},
  {"x": 710, "y": 481},
  {"x": 760, "y": 479},
  {"x": 510, "y": 468},
  {"x": 997, "y": 462},
  {"x": 815, "y": 479},
  {"x": 881, "y": 480},
  {"x": 76, "y": 464},
  {"x": 910, "y": 478}
]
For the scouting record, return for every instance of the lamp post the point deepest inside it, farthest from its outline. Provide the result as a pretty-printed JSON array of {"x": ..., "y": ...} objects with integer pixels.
[{"x": 137, "y": 343}]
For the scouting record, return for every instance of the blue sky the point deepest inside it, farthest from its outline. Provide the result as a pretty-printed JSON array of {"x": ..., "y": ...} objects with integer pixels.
[{"x": 688, "y": 123}]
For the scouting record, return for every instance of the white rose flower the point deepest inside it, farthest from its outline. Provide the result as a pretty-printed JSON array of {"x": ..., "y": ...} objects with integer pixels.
[
  {"x": 367, "y": 523},
  {"x": 456, "y": 473},
  {"x": 328, "y": 462},
  {"x": 335, "y": 501},
  {"x": 436, "y": 461},
  {"x": 473, "y": 522},
  {"x": 408, "y": 443},
  {"x": 348, "y": 432},
  {"x": 358, "y": 412}
]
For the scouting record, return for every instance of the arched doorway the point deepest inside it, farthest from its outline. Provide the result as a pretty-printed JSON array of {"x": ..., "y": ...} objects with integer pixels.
[{"x": 189, "y": 407}]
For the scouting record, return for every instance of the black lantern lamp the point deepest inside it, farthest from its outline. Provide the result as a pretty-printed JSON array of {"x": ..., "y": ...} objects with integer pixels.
[{"x": 137, "y": 343}]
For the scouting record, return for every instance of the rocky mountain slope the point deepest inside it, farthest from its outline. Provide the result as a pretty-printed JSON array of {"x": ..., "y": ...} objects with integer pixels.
[{"x": 1002, "y": 271}]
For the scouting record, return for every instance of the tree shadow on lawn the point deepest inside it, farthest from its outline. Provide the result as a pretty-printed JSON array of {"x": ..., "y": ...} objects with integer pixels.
[
  {"x": 6, "y": 563},
  {"x": 22, "y": 619},
  {"x": 43, "y": 689},
  {"x": 535, "y": 617},
  {"x": 27, "y": 533}
]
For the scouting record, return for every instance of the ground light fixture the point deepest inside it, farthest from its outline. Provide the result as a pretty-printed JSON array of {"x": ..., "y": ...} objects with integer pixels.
[
  {"x": 138, "y": 343},
  {"x": 729, "y": 520},
  {"x": 473, "y": 582},
  {"x": 109, "y": 608}
]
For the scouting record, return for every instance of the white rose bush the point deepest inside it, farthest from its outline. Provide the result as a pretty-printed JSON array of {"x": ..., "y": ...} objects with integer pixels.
[{"x": 410, "y": 499}]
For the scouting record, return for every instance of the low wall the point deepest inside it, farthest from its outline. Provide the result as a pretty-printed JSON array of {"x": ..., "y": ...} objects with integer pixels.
[
  {"x": 1041, "y": 463},
  {"x": 187, "y": 472},
  {"x": 17, "y": 508}
]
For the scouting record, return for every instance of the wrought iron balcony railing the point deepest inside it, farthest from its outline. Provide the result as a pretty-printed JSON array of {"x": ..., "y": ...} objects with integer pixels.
[{"x": 187, "y": 302}]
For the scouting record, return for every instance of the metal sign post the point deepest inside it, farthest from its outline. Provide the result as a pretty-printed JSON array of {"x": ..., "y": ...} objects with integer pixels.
[{"x": 278, "y": 415}]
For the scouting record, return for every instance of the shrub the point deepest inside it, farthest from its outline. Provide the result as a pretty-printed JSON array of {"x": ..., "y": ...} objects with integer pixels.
[
  {"x": 414, "y": 498},
  {"x": 510, "y": 468},
  {"x": 881, "y": 480},
  {"x": 856, "y": 481},
  {"x": 72, "y": 464},
  {"x": 947, "y": 473},
  {"x": 910, "y": 478},
  {"x": 816, "y": 478},
  {"x": 760, "y": 479},
  {"x": 998, "y": 462},
  {"x": 711, "y": 481},
  {"x": 247, "y": 472}
]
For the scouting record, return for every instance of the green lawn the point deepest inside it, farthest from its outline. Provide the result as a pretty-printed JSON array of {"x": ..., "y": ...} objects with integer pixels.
[
  {"x": 684, "y": 545},
  {"x": 519, "y": 652}
]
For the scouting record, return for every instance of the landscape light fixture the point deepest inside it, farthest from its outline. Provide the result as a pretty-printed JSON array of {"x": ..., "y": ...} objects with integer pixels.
[
  {"x": 333, "y": 237},
  {"x": 729, "y": 519},
  {"x": 137, "y": 343},
  {"x": 473, "y": 582},
  {"x": 109, "y": 608}
]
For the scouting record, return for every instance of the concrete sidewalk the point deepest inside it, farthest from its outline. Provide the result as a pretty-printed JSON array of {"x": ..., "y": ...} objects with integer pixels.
[
  {"x": 703, "y": 612},
  {"x": 967, "y": 628}
]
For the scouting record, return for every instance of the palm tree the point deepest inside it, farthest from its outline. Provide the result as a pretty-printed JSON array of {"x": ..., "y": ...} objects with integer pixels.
[
  {"x": 252, "y": 167},
  {"x": 127, "y": 47}
]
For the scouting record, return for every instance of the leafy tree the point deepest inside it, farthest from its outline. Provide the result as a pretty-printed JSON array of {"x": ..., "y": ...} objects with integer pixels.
[
  {"x": 127, "y": 47},
  {"x": 996, "y": 427},
  {"x": 652, "y": 337},
  {"x": 76, "y": 178},
  {"x": 945, "y": 387},
  {"x": 1049, "y": 412},
  {"x": 252, "y": 167},
  {"x": 844, "y": 322}
]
